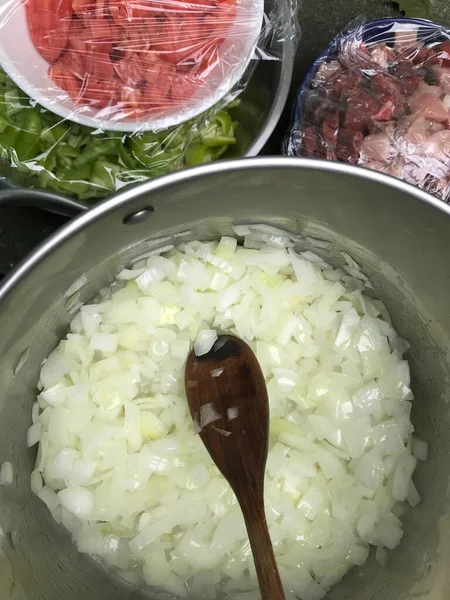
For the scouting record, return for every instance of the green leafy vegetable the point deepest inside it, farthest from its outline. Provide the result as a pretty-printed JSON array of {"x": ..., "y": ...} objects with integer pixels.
[
  {"x": 415, "y": 8},
  {"x": 39, "y": 149}
]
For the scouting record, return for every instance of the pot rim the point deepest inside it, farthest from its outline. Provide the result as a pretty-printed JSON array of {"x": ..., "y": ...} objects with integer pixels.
[{"x": 61, "y": 236}]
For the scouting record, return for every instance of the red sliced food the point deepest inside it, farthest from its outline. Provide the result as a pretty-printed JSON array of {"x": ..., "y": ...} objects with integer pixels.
[
  {"x": 136, "y": 39},
  {"x": 48, "y": 23},
  {"x": 145, "y": 54},
  {"x": 64, "y": 78},
  {"x": 154, "y": 97},
  {"x": 97, "y": 92},
  {"x": 88, "y": 8},
  {"x": 93, "y": 51},
  {"x": 125, "y": 12},
  {"x": 130, "y": 71},
  {"x": 225, "y": 15},
  {"x": 201, "y": 4},
  {"x": 75, "y": 63},
  {"x": 179, "y": 41},
  {"x": 183, "y": 88}
]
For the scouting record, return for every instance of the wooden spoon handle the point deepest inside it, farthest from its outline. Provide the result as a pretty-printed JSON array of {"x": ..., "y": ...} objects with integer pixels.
[{"x": 265, "y": 563}]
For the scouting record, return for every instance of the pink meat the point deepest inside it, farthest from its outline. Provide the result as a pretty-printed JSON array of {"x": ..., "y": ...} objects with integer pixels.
[
  {"x": 376, "y": 147},
  {"x": 360, "y": 109},
  {"x": 437, "y": 127},
  {"x": 438, "y": 145},
  {"x": 386, "y": 111},
  {"x": 410, "y": 84},
  {"x": 411, "y": 134},
  {"x": 310, "y": 142},
  {"x": 326, "y": 71},
  {"x": 384, "y": 83},
  {"x": 341, "y": 84},
  {"x": 426, "y": 57},
  {"x": 348, "y": 145},
  {"x": 424, "y": 88},
  {"x": 382, "y": 126},
  {"x": 418, "y": 130},
  {"x": 443, "y": 76},
  {"x": 430, "y": 107},
  {"x": 393, "y": 168},
  {"x": 330, "y": 129}
]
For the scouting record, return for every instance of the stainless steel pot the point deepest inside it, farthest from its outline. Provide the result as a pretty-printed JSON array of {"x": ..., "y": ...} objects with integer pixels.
[{"x": 400, "y": 236}]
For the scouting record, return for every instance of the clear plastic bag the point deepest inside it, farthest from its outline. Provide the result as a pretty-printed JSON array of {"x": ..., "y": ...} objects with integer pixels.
[
  {"x": 95, "y": 95},
  {"x": 379, "y": 97}
]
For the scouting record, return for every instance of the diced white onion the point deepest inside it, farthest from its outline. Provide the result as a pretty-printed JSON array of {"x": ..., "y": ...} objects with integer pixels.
[
  {"x": 77, "y": 500},
  {"x": 205, "y": 341},
  {"x": 6, "y": 474},
  {"x": 118, "y": 462}
]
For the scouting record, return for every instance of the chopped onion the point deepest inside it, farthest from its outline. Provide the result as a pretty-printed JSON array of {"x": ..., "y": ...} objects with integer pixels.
[
  {"x": 205, "y": 341},
  {"x": 6, "y": 474},
  {"x": 77, "y": 500},
  {"x": 419, "y": 449},
  {"x": 118, "y": 462},
  {"x": 34, "y": 434}
]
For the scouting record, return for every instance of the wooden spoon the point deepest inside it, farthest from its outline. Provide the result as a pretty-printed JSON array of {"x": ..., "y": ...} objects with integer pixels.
[{"x": 228, "y": 400}]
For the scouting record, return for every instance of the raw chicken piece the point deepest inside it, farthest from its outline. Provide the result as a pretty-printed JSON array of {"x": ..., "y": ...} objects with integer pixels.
[
  {"x": 435, "y": 126},
  {"x": 438, "y": 146},
  {"x": 430, "y": 107},
  {"x": 424, "y": 88},
  {"x": 412, "y": 132},
  {"x": 376, "y": 147},
  {"x": 443, "y": 77},
  {"x": 394, "y": 168}
]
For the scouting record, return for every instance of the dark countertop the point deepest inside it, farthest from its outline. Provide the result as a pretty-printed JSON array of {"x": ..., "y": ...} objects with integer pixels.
[{"x": 21, "y": 229}]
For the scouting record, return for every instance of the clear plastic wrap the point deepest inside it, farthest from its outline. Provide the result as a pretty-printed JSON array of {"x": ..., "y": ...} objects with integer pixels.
[
  {"x": 379, "y": 97},
  {"x": 97, "y": 95}
]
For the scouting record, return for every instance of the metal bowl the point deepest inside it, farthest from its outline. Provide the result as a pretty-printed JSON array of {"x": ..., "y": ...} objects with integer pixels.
[
  {"x": 261, "y": 106},
  {"x": 398, "y": 234}
]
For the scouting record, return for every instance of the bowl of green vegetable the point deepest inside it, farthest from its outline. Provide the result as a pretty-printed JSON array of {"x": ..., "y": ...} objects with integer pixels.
[{"x": 40, "y": 150}]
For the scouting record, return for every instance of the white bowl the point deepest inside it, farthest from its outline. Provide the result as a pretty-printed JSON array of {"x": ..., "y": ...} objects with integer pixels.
[{"x": 26, "y": 67}]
